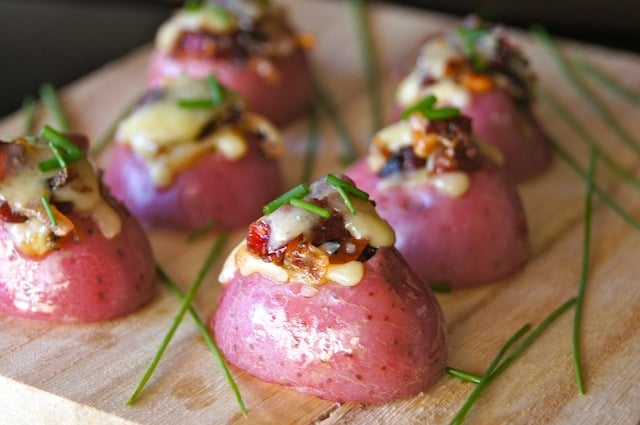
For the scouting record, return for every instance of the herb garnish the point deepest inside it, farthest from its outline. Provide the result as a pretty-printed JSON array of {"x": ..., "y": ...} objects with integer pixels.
[
  {"x": 63, "y": 148},
  {"x": 49, "y": 210},
  {"x": 440, "y": 287},
  {"x": 311, "y": 207},
  {"x": 470, "y": 37},
  {"x": 426, "y": 108},
  {"x": 587, "y": 94},
  {"x": 216, "y": 248},
  {"x": 607, "y": 81},
  {"x": 29, "y": 106},
  {"x": 296, "y": 193},
  {"x": 203, "y": 230},
  {"x": 217, "y": 92},
  {"x": 465, "y": 376},
  {"x": 50, "y": 98},
  {"x": 207, "y": 337},
  {"x": 343, "y": 188}
]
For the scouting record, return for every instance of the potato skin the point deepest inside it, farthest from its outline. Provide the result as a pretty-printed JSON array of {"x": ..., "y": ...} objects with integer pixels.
[
  {"x": 231, "y": 193},
  {"x": 89, "y": 279},
  {"x": 380, "y": 340},
  {"x": 514, "y": 130},
  {"x": 281, "y": 101},
  {"x": 477, "y": 238}
]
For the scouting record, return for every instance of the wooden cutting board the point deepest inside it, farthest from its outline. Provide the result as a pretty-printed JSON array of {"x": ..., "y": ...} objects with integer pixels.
[{"x": 80, "y": 374}]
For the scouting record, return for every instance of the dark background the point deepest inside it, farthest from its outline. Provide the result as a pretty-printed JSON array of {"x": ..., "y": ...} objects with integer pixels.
[{"x": 61, "y": 40}]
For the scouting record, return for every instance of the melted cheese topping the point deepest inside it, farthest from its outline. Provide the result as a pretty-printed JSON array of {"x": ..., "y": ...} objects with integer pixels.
[
  {"x": 23, "y": 187},
  {"x": 167, "y": 136}
]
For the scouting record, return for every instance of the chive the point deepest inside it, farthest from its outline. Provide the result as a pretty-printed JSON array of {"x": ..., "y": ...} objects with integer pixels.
[
  {"x": 49, "y": 210},
  {"x": 61, "y": 141},
  {"x": 461, "y": 374},
  {"x": 571, "y": 161},
  {"x": 348, "y": 146},
  {"x": 345, "y": 198},
  {"x": 494, "y": 371},
  {"x": 109, "y": 134},
  {"x": 585, "y": 270},
  {"x": 575, "y": 124},
  {"x": 207, "y": 337},
  {"x": 312, "y": 145},
  {"x": 607, "y": 81},
  {"x": 587, "y": 94},
  {"x": 440, "y": 287},
  {"x": 29, "y": 105},
  {"x": 195, "y": 103},
  {"x": 186, "y": 303},
  {"x": 313, "y": 208},
  {"x": 348, "y": 187},
  {"x": 203, "y": 230},
  {"x": 58, "y": 157},
  {"x": 50, "y": 99},
  {"x": 470, "y": 37},
  {"x": 441, "y": 113},
  {"x": 297, "y": 192},
  {"x": 425, "y": 104},
  {"x": 192, "y": 5},
  {"x": 217, "y": 91},
  {"x": 367, "y": 51}
]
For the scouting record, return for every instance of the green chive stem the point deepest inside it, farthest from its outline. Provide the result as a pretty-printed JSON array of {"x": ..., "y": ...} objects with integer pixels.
[
  {"x": 440, "y": 287},
  {"x": 424, "y": 104},
  {"x": 297, "y": 192},
  {"x": 186, "y": 303},
  {"x": 346, "y": 199},
  {"x": 203, "y": 230},
  {"x": 59, "y": 157},
  {"x": 587, "y": 94},
  {"x": 61, "y": 141},
  {"x": 29, "y": 106},
  {"x": 607, "y": 81},
  {"x": 597, "y": 189},
  {"x": 348, "y": 187},
  {"x": 350, "y": 152},
  {"x": 207, "y": 337},
  {"x": 109, "y": 133},
  {"x": 195, "y": 103},
  {"x": 368, "y": 54},
  {"x": 192, "y": 4},
  {"x": 586, "y": 247},
  {"x": 441, "y": 113},
  {"x": 312, "y": 208},
  {"x": 461, "y": 374},
  {"x": 495, "y": 371},
  {"x": 312, "y": 145},
  {"x": 586, "y": 137},
  {"x": 217, "y": 92},
  {"x": 50, "y": 99},
  {"x": 49, "y": 210}
]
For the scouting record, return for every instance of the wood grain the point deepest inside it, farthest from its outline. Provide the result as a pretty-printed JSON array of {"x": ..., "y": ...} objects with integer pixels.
[{"x": 78, "y": 374}]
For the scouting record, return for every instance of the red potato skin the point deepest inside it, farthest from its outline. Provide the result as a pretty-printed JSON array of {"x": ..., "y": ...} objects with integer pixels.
[
  {"x": 475, "y": 239},
  {"x": 90, "y": 279},
  {"x": 380, "y": 340},
  {"x": 231, "y": 193},
  {"x": 498, "y": 121},
  {"x": 281, "y": 102}
]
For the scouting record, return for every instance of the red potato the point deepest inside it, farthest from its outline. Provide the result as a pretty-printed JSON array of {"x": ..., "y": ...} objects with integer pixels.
[
  {"x": 465, "y": 241},
  {"x": 90, "y": 279},
  {"x": 229, "y": 194},
  {"x": 380, "y": 340},
  {"x": 93, "y": 263},
  {"x": 281, "y": 101}
]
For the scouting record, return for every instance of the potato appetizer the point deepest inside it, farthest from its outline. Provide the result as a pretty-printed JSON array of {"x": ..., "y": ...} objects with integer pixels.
[
  {"x": 318, "y": 299},
  {"x": 248, "y": 46},
  {"x": 68, "y": 251},
  {"x": 190, "y": 156}
]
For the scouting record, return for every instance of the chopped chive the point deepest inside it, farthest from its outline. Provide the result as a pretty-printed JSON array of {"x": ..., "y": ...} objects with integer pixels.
[
  {"x": 192, "y": 4},
  {"x": 425, "y": 104},
  {"x": 29, "y": 106},
  {"x": 470, "y": 37},
  {"x": 586, "y": 137},
  {"x": 186, "y": 303},
  {"x": 586, "y": 247},
  {"x": 109, "y": 134},
  {"x": 461, "y": 374},
  {"x": 50, "y": 99},
  {"x": 350, "y": 152},
  {"x": 571, "y": 161},
  {"x": 217, "y": 91},
  {"x": 207, "y": 337},
  {"x": 367, "y": 51},
  {"x": 312, "y": 145},
  {"x": 348, "y": 187},
  {"x": 195, "y": 103},
  {"x": 441, "y": 113},
  {"x": 49, "y": 210},
  {"x": 58, "y": 156},
  {"x": 587, "y": 94},
  {"x": 494, "y": 371},
  {"x": 203, "y": 230},
  {"x": 345, "y": 198},
  {"x": 221, "y": 13},
  {"x": 607, "y": 81},
  {"x": 297, "y": 192},
  {"x": 312, "y": 208},
  {"x": 32, "y": 139},
  {"x": 440, "y": 287},
  {"x": 61, "y": 141}
]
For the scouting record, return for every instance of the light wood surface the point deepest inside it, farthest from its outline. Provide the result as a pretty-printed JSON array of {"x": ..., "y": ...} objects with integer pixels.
[{"x": 80, "y": 374}]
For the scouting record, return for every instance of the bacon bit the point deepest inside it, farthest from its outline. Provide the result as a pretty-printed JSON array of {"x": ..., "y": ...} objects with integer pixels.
[
  {"x": 424, "y": 144},
  {"x": 267, "y": 70},
  {"x": 306, "y": 40},
  {"x": 258, "y": 242},
  {"x": 304, "y": 262},
  {"x": 8, "y": 215},
  {"x": 455, "y": 67},
  {"x": 476, "y": 82}
]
